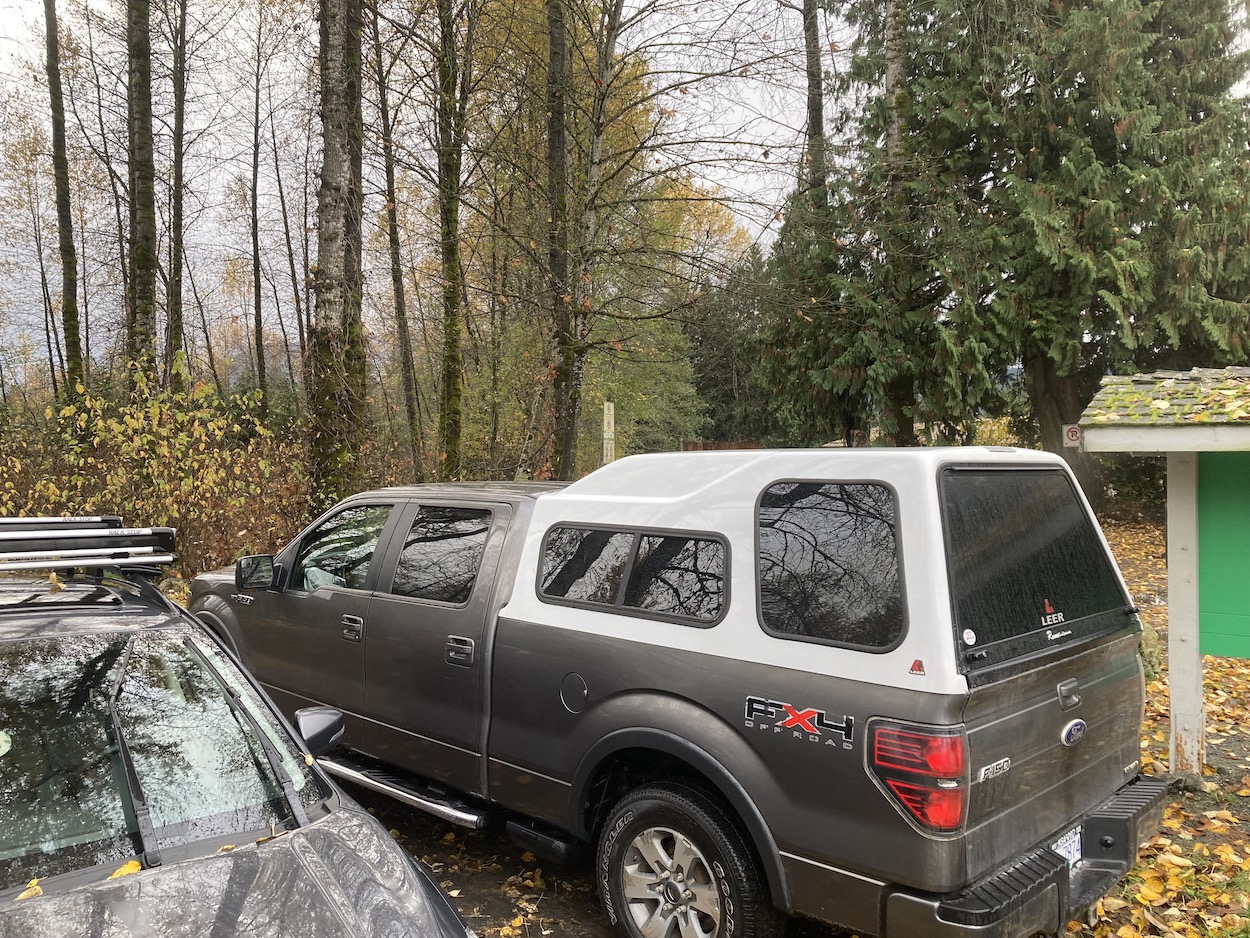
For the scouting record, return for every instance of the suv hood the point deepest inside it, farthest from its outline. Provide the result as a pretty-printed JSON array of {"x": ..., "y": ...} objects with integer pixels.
[{"x": 338, "y": 876}]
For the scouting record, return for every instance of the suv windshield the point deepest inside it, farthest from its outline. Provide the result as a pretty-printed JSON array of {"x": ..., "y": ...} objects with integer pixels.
[
  {"x": 64, "y": 802},
  {"x": 1027, "y": 567}
]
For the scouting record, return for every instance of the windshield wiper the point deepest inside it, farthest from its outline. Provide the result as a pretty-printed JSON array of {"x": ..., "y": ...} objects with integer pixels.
[
  {"x": 238, "y": 708},
  {"x": 134, "y": 791}
]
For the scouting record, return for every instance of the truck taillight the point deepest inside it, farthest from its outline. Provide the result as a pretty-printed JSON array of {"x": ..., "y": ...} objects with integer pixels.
[{"x": 924, "y": 770}]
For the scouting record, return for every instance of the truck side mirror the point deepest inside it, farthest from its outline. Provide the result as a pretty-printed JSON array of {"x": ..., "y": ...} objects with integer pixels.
[
  {"x": 254, "y": 572},
  {"x": 320, "y": 727}
]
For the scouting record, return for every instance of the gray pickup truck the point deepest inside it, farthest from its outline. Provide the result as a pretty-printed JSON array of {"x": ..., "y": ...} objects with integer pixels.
[{"x": 898, "y": 691}]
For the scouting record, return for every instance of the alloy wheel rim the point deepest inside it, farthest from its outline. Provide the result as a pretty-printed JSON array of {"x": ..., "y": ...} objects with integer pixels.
[{"x": 668, "y": 886}]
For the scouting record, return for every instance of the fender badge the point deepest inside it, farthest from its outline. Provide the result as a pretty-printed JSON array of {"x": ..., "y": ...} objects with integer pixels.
[
  {"x": 1073, "y": 733},
  {"x": 994, "y": 769}
]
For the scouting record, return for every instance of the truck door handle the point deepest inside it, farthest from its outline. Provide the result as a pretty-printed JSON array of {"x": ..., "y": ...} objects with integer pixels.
[
  {"x": 459, "y": 651},
  {"x": 353, "y": 627},
  {"x": 1068, "y": 696}
]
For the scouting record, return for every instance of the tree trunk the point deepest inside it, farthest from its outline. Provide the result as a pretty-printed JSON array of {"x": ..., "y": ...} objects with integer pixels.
[
  {"x": 258, "y": 325},
  {"x": 286, "y": 335},
  {"x": 85, "y": 306},
  {"x": 174, "y": 325},
  {"x": 1057, "y": 400},
  {"x": 817, "y": 169},
  {"x": 64, "y": 212},
  {"x": 407, "y": 369},
  {"x": 141, "y": 331},
  {"x": 49, "y": 318},
  {"x": 106, "y": 158},
  {"x": 296, "y": 287},
  {"x": 564, "y": 389},
  {"x": 900, "y": 397},
  {"x": 452, "y": 88},
  {"x": 208, "y": 339},
  {"x": 336, "y": 393}
]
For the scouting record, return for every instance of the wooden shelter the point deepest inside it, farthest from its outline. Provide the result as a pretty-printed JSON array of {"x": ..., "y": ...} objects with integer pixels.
[{"x": 1200, "y": 420}]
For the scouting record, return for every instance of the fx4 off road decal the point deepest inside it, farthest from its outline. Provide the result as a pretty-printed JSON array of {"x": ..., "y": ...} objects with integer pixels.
[{"x": 806, "y": 723}]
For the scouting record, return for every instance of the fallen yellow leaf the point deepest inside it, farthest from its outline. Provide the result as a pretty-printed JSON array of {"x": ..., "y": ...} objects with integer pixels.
[
  {"x": 1171, "y": 860},
  {"x": 131, "y": 866},
  {"x": 32, "y": 890}
]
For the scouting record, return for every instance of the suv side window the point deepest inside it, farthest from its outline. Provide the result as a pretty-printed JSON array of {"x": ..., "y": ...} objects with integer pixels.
[
  {"x": 658, "y": 575},
  {"x": 828, "y": 563},
  {"x": 338, "y": 552},
  {"x": 442, "y": 552}
]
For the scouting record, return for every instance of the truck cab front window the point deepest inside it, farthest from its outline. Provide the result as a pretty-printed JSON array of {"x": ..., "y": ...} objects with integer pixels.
[{"x": 339, "y": 551}]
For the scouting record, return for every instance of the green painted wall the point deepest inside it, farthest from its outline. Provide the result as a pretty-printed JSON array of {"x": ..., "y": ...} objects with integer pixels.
[{"x": 1224, "y": 554}]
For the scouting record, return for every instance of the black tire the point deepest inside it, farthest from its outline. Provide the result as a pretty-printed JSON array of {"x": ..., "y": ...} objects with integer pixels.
[{"x": 673, "y": 863}]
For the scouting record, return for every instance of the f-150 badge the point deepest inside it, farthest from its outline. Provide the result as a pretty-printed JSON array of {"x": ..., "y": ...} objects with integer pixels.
[{"x": 808, "y": 723}]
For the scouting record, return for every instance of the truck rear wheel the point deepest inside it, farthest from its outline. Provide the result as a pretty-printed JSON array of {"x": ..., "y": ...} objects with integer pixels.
[{"x": 672, "y": 863}]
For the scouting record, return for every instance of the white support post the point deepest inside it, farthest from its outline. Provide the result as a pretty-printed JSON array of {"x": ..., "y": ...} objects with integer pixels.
[{"x": 1187, "y": 749}]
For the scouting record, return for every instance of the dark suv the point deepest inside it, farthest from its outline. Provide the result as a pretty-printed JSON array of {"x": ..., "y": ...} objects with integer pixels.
[{"x": 148, "y": 787}]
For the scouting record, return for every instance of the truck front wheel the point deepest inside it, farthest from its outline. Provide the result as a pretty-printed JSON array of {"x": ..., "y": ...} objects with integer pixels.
[{"x": 672, "y": 863}]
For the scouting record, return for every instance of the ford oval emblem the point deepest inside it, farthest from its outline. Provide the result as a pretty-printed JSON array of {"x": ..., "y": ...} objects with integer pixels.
[{"x": 1073, "y": 733}]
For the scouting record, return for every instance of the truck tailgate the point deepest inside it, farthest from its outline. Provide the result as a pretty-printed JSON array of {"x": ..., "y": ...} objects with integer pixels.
[{"x": 1047, "y": 744}]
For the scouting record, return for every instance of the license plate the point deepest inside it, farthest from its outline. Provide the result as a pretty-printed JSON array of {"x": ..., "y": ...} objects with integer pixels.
[{"x": 1069, "y": 846}]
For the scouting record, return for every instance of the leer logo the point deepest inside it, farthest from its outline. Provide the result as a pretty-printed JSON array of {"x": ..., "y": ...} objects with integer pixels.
[
  {"x": 1051, "y": 617},
  {"x": 808, "y": 723}
]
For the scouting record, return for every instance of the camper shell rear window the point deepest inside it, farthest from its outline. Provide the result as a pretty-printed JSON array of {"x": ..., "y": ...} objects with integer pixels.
[{"x": 1028, "y": 570}]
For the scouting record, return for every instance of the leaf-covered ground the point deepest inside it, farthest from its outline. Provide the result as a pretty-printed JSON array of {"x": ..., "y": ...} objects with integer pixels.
[{"x": 1192, "y": 879}]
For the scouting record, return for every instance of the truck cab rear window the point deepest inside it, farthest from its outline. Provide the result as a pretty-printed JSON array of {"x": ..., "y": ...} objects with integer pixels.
[
  {"x": 658, "y": 575},
  {"x": 1027, "y": 567},
  {"x": 828, "y": 563},
  {"x": 442, "y": 553}
]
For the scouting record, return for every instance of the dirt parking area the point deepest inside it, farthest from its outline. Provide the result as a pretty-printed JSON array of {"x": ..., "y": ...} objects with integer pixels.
[{"x": 503, "y": 891}]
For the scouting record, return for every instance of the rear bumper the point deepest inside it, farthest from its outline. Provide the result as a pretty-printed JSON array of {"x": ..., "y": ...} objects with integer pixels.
[{"x": 1037, "y": 892}]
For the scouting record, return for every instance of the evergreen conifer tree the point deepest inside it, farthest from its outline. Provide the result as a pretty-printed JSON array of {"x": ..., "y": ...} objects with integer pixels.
[{"x": 1066, "y": 191}]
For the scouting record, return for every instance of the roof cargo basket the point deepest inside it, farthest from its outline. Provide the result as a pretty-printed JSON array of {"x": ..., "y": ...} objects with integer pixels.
[{"x": 85, "y": 542}]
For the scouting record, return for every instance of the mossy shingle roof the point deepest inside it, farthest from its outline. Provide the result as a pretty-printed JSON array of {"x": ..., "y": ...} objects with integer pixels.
[{"x": 1172, "y": 399}]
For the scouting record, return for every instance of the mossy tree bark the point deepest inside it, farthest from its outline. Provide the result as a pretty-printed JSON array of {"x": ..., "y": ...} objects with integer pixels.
[
  {"x": 64, "y": 212},
  {"x": 452, "y": 72},
  {"x": 336, "y": 391},
  {"x": 565, "y": 386}
]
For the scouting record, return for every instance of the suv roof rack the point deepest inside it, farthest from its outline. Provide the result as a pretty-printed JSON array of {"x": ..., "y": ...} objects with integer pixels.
[{"x": 35, "y": 543}]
